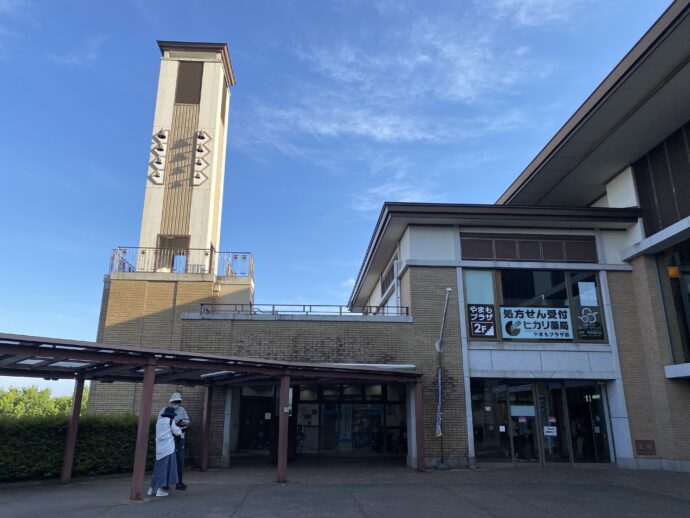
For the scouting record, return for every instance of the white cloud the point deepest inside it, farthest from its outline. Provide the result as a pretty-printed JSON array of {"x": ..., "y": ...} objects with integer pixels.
[
  {"x": 432, "y": 59},
  {"x": 426, "y": 81},
  {"x": 89, "y": 51},
  {"x": 9, "y": 9},
  {"x": 531, "y": 13},
  {"x": 12, "y": 7},
  {"x": 373, "y": 198},
  {"x": 330, "y": 117}
]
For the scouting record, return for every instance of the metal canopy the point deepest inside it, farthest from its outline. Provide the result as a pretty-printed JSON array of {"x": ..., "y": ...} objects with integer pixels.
[{"x": 54, "y": 358}]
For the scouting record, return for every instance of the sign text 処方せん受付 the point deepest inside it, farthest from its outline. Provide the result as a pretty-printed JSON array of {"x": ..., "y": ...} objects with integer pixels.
[{"x": 536, "y": 323}]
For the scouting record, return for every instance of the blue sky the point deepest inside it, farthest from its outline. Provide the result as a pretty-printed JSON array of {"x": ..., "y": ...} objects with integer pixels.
[{"x": 339, "y": 106}]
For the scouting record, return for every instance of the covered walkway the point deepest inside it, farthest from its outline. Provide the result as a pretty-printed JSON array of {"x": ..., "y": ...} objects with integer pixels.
[{"x": 52, "y": 358}]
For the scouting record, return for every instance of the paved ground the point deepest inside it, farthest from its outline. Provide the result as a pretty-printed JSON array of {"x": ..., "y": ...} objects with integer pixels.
[{"x": 365, "y": 489}]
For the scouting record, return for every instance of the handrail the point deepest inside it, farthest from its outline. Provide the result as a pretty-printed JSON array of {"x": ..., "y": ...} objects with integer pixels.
[
  {"x": 181, "y": 260},
  {"x": 303, "y": 309}
]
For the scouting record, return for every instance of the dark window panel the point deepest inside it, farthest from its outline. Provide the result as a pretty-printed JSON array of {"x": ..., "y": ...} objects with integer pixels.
[
  {"x": 661, "y": 177},
  {"x": 581, "y": 251},
  {"x": 680, "y": 170},
  {"x": 646, "y": 194},
  {"x": 224, "y": 102},
  {"x": 189, "y": 75},
  {"x": 505, "y": 249},
  {"x": 529, "y": 250},
  {"x": 553, "y": 250},
  {"x": 477, "y": 248}
]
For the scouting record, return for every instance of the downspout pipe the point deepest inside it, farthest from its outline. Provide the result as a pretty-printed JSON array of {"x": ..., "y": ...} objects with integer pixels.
[{"x": 439, "y": 408}]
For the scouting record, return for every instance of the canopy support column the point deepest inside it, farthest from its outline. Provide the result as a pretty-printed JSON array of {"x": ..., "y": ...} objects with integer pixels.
[
  {"x": 145, "y": 404},
  {"x": 283, "y": 422},
  {"x": 71, "y": 442},
  {"x": 419, "y": 425},
  {"x": 206, "y": 426}
]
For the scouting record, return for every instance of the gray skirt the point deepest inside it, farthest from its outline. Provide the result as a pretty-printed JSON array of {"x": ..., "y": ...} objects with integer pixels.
[{"x": 164, "y": 472}]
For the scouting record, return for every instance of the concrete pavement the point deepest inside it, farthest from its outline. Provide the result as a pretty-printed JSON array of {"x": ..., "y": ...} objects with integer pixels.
[{"x": 369, "y": 489}]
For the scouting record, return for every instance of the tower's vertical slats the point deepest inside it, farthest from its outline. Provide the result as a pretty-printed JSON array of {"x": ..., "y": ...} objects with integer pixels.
[{"x": 179, "y": 170}]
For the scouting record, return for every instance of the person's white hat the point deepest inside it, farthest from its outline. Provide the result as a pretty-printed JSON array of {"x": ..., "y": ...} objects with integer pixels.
[{"x": 175, "y": 397}]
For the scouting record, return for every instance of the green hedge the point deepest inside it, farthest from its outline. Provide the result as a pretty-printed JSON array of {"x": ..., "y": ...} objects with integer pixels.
[{"x": 32, "y": 447}]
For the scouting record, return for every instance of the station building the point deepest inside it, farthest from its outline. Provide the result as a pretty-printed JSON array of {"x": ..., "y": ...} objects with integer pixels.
[{"x": 550, "y": 327}]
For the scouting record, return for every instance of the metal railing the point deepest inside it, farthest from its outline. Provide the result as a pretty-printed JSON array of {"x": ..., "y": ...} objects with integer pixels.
[
  {"x": 182, "y": 260},
  {"x": 304, "y": 309}
]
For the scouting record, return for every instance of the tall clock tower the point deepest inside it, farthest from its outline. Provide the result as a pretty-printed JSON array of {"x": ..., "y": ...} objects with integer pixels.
[
  {"x": 177, "y": 269},
  {"x": 184, "y": 184}
]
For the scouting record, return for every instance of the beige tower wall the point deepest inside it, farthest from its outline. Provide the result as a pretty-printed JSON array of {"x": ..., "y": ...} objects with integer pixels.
[
  {"x": 187, "y": 198},
  {"x": 204, "y": 223},
  {"x": 163, "y": 116}
]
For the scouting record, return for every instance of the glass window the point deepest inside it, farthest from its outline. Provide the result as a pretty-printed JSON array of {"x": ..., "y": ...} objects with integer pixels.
[
  {"x": 372, "y": 392},
  {"x": 479, "y": 286},
  {"x": 589, "y": 315},
  {"x": 330, "y": 392},
  {"x": 257, "y": 391},
  {"x": 673, "y": 266},
  {"x": 308, "y": 393},
  {"x": 534, "y": 305},
  {"x": 481, "y": 311},
  {"x": 395, "y": 392},
  {"x": 352, "y": 392},
  {"x": 395, "y": 415},
  {"x": 534, "y": 288}
]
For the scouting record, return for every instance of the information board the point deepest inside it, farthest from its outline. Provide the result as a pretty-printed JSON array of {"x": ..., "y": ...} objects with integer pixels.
[{"x": 536, "y": 323}]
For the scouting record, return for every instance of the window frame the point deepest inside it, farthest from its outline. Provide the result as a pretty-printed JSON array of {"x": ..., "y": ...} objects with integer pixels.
[{"x": 499, "y": 301}]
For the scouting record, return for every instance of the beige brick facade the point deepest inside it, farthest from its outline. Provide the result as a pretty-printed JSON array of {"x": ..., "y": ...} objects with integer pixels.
[
  {"x": 149, "y": 313},
  {"x": 657, "y": 406}
]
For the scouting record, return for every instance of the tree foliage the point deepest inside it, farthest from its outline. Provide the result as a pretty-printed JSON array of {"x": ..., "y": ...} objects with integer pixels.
[{"x": 32, "y": 401}]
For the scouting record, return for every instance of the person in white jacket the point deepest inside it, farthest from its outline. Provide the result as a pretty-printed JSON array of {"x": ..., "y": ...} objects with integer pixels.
[
  {"x": 165, "y": 468},
  {"x": 181, "y": 420}
]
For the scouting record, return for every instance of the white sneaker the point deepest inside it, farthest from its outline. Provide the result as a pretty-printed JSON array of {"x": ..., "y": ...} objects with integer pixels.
[
  {"x": 150, "y": 492},
  {"x": 161, "y": 492}
]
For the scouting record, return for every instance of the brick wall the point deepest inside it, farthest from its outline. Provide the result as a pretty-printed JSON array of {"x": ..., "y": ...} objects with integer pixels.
[
  {"x": 148, "y": 313},
  {"x": 657, "y": 407}
]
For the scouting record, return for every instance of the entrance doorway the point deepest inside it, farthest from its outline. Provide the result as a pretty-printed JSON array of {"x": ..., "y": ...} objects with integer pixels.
[
  {"x": 523, "y": 423},
  {"x": 338, "y": 419},
  {"x": 256, "y": 412},
  {"x": 540, "y": 421}
]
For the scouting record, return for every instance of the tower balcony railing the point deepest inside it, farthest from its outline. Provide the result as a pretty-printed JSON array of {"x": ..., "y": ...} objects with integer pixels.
[
  {"x": 305, "y": 309},
  {"x": 181, "y": 260}
]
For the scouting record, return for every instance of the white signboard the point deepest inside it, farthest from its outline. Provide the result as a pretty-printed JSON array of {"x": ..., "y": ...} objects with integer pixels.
[
  {"x": 550, "y": 431},
  {"x": 536, "y": 323},
  {"x": 588, "y": 293}
]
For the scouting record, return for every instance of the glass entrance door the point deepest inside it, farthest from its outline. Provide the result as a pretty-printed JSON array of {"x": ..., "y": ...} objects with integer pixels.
[
  {"x": 588, "y": 430},
  {"x": 540, "y": 421},
  {"x": 554, "y": 424},
  {"x": 491, "y": 421},
  {"x": 523, "y": 423}
]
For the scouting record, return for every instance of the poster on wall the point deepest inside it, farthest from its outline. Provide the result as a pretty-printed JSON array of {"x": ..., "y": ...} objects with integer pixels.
[
  {"x": 589, "y": 325},
  {"x": 536, "y": 323},
  {"x": 481, "y": 320}
]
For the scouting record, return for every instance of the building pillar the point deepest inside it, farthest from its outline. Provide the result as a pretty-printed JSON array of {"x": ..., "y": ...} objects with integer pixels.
[
  {"x": 227, "y": 429},
  {"x": 206, "y": 426},
  {"x": 283, "y": 421},
  {"x": 71, "y": 442},
  {"x": 419, "y": 425},
  {"x": 139, "y": 469}
]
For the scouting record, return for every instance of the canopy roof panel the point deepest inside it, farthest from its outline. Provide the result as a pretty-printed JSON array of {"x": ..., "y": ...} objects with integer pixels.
[{"x": 55, "y": 358}]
